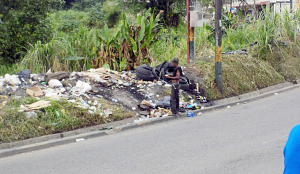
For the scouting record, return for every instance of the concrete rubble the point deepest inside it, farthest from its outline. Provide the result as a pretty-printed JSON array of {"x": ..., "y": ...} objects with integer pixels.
[{"x": 146, "y": 99}]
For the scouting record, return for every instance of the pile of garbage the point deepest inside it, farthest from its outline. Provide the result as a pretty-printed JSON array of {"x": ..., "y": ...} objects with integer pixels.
[
  {"x": 147, "y": 99},
  {"x": 159, "y": 72}
]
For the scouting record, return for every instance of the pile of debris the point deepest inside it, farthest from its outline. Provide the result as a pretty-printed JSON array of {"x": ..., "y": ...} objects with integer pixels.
[{"x": 85, "y": 88}]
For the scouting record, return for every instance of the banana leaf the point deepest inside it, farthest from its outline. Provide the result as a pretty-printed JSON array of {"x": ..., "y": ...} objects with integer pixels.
[
  {"x": 142, "y": 31},
  {"x": 134, "y": 46}
]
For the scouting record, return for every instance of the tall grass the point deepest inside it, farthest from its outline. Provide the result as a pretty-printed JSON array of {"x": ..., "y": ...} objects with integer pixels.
[
  {"x": 81, "y": 43},
  {"x": 269, "y": 32}
]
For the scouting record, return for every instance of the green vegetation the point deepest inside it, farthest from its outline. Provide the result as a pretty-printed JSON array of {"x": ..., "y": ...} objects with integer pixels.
[
  {"x": 16, "y": 126},
  {"x": 24, "y": 22},
  {"x": 95, "y": 33},
  {"x": 83, "y": 34},
  {"x": 274, "y": 59}
]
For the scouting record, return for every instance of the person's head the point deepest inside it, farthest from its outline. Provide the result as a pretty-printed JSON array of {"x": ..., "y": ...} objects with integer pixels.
[{"x": 175, "y": 62}]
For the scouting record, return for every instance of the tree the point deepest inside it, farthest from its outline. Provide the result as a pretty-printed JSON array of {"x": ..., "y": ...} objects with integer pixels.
[
  {"x": 23, "y": 22},
  {"x": 173, "y": 9},
  {"x": 83, "y": 5}
]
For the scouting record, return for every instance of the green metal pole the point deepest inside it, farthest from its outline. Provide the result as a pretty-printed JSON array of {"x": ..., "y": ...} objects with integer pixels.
[{"x": 218, "y": 53}]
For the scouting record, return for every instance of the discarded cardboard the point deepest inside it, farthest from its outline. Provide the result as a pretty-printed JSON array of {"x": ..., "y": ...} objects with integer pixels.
[
  {"x": 3, "y": 104},
  {"x": 34, "y": 92},
  {"x": 145, "y": 102},
  {"x": 39, "y": 105}
]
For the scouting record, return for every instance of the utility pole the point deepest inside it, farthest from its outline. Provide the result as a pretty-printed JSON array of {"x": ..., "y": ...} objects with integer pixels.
[
  {"x": 188, "y": 29},
  {"x": 218, "y": 53},
  {"x": 190, "y": 33}
]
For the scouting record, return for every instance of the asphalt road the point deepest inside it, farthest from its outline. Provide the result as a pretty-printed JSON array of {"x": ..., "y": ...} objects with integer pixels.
[{"x": 246, "y": 139}]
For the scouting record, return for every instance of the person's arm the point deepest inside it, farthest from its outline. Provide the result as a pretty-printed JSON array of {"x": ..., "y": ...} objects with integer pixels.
[{"x": 177, "y": 77}]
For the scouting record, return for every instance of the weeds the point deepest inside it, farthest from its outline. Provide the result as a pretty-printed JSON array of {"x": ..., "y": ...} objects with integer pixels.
[
  {"x": 16, "y": 126},
  {"x": 276, "y": 36}
]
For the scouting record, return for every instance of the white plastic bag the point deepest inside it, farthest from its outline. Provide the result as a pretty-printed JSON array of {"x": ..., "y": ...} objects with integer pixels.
[
  {"x": 83, "y": 86},
  {"x": 12, "y": 80},
  {"x": 98, "y": 79},
  {"x": 54, "y": 83}
]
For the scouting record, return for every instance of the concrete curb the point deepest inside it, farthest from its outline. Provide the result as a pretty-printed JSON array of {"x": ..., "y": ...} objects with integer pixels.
[{"x": 47, "y": 141}]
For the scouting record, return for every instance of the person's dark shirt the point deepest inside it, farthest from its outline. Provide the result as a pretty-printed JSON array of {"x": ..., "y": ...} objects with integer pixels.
[{"x": 175, "y": 71}]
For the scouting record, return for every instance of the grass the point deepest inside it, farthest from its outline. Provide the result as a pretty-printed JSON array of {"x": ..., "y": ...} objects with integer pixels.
[
  {"x": 275, "y": 59},
  {"x": 269, "y": 62},
  {"x": 16, "y": 126}
]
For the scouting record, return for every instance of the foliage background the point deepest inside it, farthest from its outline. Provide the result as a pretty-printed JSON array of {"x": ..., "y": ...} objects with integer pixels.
[{"x": 83, "y": 34}]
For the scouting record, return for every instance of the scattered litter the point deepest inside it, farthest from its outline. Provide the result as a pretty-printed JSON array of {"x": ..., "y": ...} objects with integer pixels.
[
  {"x": 24, "y": 74},
  {"x": 109, "y": 128},
  {"x": 199, "y": 114},
  {"x": 22, "y": 108},
  {"x": 54, "y": 83},
  {"x": 83, "y": 87},
  {"x": 91, "y": 112},
  {"x": 275, "y": 93},
  {"x": 149, "y": 99},
  {"x": 98, "y": 79},
  {"x": 190, "y": 114},
  {"x": 107, "y": 112},
  {"x": 79, "y": 139},
  {"x": 145, "y": 102},
  {"x": 34, "y": 92},
  {"x": 228, "y": 107},
  {"x": 3, "y": 104},
  {"x": 30, "y": 114},
  {"x": 57, "y": 76},
  {"x": 39, "y": 105},
  {"x": 57, "y": 114},
  {"x": 12, "y": 80},
  {"x": 3, "y": 97},
  {"x": 49, "y": 71}
]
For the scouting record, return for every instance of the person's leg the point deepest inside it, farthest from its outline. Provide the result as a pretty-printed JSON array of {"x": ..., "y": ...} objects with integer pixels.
[
  {"x": 177, "y": 98},
  {"x": 173, "y": 99}
]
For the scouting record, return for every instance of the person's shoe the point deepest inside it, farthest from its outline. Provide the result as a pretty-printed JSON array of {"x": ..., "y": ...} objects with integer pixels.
[{"x": 174, "y": 115}]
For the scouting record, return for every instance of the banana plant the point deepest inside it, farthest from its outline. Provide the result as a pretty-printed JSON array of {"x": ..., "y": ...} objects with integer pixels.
[
  {"x": 141, "y": 33},
  {"x": 130, "y": 40},
  {"x": 108, "y": 39}
]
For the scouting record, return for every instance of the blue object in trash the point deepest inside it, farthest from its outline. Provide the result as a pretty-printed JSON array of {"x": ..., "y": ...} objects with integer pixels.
[
  {"x": 190, "y": 106},
  {"x": 190, "y": 114}
]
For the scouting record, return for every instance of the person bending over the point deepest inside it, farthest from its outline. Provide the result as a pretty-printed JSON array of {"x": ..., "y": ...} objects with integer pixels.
[{"x": 175, "y": 86}]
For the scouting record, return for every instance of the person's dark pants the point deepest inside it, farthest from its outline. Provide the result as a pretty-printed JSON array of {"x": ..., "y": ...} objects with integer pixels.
[{"x": 175, "y": 98}]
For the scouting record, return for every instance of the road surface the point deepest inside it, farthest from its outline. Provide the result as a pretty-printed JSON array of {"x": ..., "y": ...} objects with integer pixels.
[{"x": 246, "y": 139}]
